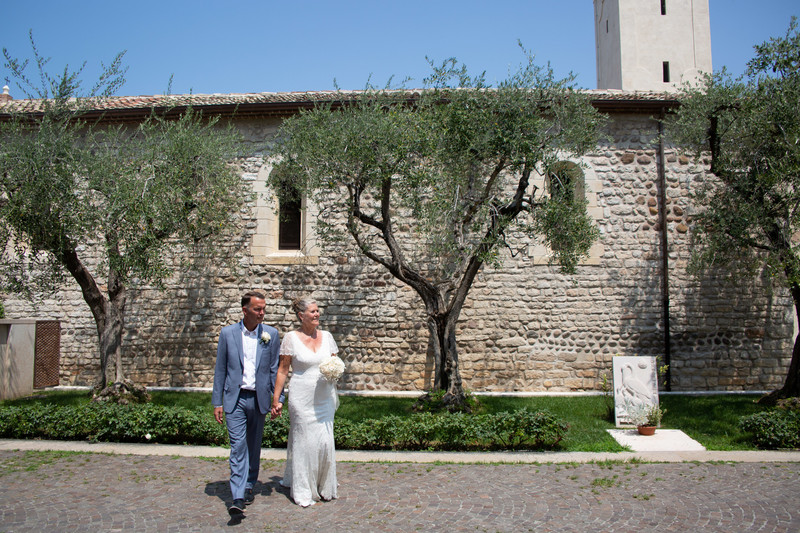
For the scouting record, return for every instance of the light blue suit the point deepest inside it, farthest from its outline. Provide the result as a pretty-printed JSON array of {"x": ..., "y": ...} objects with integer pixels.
[{"x": 244, "y": 413}]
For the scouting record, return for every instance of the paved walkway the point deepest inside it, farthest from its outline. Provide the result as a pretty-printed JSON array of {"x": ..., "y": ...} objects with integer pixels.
[{"x": 46, "y": 486}]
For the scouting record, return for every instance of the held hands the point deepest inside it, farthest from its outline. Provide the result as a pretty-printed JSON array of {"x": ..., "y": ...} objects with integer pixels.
[{"x": 275, "y": 412}]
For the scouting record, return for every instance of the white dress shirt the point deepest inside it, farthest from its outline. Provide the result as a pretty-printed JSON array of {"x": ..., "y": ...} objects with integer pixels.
[{"x": 249, "y": 347}]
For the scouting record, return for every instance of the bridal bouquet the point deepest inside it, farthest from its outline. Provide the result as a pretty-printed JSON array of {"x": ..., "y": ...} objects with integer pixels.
[{"x": 332, "y": 369}]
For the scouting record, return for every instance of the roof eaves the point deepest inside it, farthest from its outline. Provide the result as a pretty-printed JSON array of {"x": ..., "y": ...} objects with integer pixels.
[{"x": 284, "y": 104}]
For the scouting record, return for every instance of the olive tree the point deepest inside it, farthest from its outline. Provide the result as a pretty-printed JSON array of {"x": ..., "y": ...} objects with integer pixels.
[
  {"x": 749, "y": 215},
  {"x": 432, "y": 185},
  {"x": 104, "y": 203}
]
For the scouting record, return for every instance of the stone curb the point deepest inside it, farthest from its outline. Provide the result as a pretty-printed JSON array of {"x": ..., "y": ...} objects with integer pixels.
[{"x": 360, "y": 456}]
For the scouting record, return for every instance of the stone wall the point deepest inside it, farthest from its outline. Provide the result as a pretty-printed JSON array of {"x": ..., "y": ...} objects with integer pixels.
[{"x": 525, "y": 326}]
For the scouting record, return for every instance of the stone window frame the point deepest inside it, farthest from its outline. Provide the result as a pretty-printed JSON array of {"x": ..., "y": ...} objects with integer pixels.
[
  {"x": 264, "y": 243},
  {"x": 540, "y": 254}
]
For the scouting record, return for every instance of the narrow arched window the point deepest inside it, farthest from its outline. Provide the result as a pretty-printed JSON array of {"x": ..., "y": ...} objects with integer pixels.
[
  {"x": 290, "y": 224},
  {"x": 566, "y": 182},
  {"x": 290, "y": 207}
]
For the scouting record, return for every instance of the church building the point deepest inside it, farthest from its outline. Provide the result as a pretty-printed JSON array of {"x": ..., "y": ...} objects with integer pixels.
[{"x": 525, "y": 328}]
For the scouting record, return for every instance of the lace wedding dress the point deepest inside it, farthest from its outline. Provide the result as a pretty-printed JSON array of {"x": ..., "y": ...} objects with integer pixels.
[{"x": 310, "y": 455}]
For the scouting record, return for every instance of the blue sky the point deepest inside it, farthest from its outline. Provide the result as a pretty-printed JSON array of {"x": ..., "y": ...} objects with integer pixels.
[{"x": 234, "y": 46}]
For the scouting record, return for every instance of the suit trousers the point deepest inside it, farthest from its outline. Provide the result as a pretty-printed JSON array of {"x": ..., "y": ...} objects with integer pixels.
[{"x": 245, "y": 430}]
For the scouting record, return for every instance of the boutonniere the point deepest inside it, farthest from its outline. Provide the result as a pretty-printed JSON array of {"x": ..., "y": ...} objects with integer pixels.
[{"x": 265, "y": 338}]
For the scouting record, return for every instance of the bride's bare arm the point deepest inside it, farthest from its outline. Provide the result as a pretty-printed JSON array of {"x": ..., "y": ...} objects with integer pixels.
[{"x": 280, "y": 382}]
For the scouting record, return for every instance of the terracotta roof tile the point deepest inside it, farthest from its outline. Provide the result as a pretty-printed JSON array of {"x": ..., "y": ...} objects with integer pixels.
[{"x": 288, "y": 102}]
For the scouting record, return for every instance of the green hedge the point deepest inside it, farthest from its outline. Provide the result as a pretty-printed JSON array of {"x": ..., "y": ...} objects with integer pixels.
[
  {"x": 111, "y": 423},
  {"x": 775, "y": 429},
  {"x": 522, "y": 429}
]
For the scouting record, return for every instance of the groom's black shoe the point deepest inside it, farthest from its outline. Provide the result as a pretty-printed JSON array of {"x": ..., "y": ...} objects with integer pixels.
[
  {"x": 249, "y": 496},
  {"x": 236, "y": 508}
]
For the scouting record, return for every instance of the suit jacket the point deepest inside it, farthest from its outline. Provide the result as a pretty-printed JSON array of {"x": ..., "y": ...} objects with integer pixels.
[{"x": 230, "y": 366}]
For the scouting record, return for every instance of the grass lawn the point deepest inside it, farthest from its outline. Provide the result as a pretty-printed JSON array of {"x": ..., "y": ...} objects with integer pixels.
[{"x": 711, "y": 420}]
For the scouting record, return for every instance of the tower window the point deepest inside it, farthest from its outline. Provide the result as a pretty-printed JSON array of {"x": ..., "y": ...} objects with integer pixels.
[
  {"x": 606, "y": 25},
  {"x": 665, "y": 70},
  {"x": 663, "y": 7}
]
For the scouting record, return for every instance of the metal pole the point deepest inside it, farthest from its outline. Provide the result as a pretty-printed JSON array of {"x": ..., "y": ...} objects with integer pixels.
[{"x": 662, "y": 216}]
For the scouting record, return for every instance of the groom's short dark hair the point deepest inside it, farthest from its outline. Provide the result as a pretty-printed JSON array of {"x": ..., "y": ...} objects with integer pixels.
[{"x": 252, "y": 294}]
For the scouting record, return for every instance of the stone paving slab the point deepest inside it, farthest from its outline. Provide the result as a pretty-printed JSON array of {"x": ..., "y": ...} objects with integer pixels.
[
  {"x": 76, "y": 491},
  {"x": 664, "y": 440}
]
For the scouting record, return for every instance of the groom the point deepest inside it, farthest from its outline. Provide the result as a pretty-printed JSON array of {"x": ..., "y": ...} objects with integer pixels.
[{"x": 244, "y": 379}]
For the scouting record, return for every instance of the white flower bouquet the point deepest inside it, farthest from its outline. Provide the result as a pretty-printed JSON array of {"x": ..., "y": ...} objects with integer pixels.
[{"x": 332, "y": 369}]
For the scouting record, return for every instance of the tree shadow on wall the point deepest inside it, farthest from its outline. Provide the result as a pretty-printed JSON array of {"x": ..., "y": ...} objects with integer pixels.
[
  {"x": 171, "y": 333},
  {"x": 367, "y": 311},
  {"x": 735, "y": 322},
  {"x": 716, "y": 322},
  {"x": 641, "y": 320}
]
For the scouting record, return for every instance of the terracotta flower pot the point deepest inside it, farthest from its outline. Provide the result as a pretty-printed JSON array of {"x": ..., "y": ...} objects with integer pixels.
[{"x": 646, "y": 430}]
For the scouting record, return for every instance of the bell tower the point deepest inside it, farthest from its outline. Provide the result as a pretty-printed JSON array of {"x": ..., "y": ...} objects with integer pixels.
[{"x": 651, "y": 45}]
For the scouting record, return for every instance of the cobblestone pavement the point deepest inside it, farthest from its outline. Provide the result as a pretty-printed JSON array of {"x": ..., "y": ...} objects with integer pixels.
[{"x": 64, "y": 491}]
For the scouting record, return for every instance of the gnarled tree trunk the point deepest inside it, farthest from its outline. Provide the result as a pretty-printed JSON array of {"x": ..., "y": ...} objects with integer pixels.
[
  {"x": 791, "y": 386},
  {"x": 108, "y": 313},
  {"x": 442, "y": 344},
  {"x": 111, "y": 334}
]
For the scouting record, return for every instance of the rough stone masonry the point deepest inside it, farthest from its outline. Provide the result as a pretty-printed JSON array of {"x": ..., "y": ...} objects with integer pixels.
[{"x": 525, "y": 327}]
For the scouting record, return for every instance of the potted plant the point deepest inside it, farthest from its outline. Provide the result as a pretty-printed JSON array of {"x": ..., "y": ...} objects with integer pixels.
[{"x": 646, "y": 418}]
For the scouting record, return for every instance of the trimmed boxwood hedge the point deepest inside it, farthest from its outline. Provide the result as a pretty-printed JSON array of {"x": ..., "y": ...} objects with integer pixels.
[
  {"x": 111, "y": 423},
  {"x": 774, "y": 429},
  {"x": 524, "y": 429}
]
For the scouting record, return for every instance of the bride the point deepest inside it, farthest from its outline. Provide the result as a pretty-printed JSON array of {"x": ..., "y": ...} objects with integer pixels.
[{"x": 310, "y": 455}]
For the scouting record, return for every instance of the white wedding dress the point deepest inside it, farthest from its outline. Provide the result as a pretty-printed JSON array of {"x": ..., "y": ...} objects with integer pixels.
[{"x": 310, "y": 455}]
